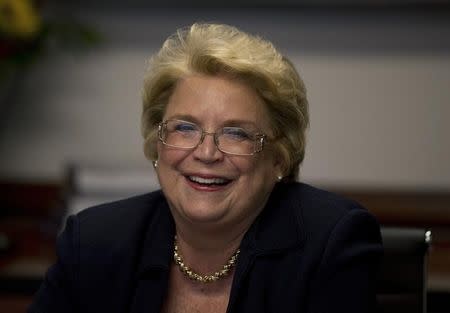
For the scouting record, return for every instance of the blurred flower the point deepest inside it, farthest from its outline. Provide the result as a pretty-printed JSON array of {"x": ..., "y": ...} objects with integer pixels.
[
  {"x": 25, "y": 34},
  {"x": 19, "y": 19}
]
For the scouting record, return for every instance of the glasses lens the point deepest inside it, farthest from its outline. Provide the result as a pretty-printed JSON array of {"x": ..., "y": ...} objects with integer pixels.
[
  {"x": 236, "y": 140},
  {"x": 180, "y": 134}
]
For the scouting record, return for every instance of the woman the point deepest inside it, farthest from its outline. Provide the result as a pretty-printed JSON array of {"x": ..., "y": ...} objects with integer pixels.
[{"x": 224, "y": 119}]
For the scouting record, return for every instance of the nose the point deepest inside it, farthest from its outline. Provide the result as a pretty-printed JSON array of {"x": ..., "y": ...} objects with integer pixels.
[{"x": 207, "y": 150}]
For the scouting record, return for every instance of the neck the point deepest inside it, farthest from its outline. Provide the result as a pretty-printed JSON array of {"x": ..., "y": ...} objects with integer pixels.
[
  {"x": 206, "y": 253},
  {"x": 207, "y": 248}
]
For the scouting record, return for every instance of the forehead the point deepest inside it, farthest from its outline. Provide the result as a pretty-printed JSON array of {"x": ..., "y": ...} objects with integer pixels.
[{"x": 216, "y": 100}]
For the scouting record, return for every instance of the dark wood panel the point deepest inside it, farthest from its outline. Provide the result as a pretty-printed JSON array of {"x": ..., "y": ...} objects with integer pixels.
[
  {"x": 409, "y": 208},
  {"x": 14, "y": 303},
  {"x": 30, "y": 199}
]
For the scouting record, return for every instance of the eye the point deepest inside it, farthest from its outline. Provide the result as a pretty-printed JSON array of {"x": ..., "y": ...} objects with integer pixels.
[
  {"x": 236, "y": 133},
  {"x": 183, "y": 127}
]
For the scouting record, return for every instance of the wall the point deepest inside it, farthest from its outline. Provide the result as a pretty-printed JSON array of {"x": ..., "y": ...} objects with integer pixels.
[{"x": 378, "y": 86}]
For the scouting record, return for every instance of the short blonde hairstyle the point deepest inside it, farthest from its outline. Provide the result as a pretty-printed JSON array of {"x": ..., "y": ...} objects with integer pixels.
[{"x": 216, "y": 49}]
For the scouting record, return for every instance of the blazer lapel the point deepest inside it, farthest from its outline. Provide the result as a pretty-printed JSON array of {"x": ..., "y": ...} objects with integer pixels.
[
  {"x": 244, "y": 264},
  {"x": 153, "y": 268},
  {"x": 277, "y": 229}
]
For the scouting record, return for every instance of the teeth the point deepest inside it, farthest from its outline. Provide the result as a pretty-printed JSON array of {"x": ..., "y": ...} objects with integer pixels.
[{"x": 210, "y": 181}]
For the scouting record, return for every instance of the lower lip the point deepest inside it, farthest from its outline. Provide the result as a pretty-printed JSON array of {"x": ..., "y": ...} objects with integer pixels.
[{"x": 209, "y": 188}]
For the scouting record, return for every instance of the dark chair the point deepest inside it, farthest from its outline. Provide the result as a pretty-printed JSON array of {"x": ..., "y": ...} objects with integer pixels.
[{"x": 403, "y": 274}]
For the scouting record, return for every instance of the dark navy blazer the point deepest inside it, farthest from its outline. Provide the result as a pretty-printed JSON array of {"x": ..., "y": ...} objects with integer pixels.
[{"x": 308, "y": 251}]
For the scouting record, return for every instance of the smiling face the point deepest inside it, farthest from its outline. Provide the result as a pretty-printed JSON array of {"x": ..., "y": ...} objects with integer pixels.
[{"x": 205, "y": 186}]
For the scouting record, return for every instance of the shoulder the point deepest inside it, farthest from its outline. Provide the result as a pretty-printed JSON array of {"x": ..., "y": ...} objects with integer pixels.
[
  {"x": 118, "y": 221},
  {"x": 320, "y": 212},
  {"x": 298, "y": 214},
  {"x": 312, "y": 201},
  {"x": 124, "y": 211}
]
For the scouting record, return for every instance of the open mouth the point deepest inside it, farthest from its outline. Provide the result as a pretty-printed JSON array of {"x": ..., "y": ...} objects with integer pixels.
[{"x": 209, "y": 181}]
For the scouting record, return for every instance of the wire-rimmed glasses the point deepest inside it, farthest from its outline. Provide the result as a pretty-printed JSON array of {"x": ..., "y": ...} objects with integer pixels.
[{"x": 231, "y": 140}]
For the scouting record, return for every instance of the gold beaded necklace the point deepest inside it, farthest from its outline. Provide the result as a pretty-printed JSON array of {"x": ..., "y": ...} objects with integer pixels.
[{"x": 203, "y": 278}]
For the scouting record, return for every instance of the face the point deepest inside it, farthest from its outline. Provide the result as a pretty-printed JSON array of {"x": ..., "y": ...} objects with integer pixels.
[{"x": 204, "y": 185}]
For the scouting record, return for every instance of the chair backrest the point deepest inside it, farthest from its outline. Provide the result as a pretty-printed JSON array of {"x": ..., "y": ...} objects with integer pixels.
[
  {"x": 403, "y": 274},
  {"x": 92, "y": 184}
]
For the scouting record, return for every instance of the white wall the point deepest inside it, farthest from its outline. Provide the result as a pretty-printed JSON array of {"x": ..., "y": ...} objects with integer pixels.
[{"x": 378, "y": 90}]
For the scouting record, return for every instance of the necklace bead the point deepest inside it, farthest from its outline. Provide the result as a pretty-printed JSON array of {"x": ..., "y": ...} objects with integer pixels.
[{"x": 186, "y": 270}]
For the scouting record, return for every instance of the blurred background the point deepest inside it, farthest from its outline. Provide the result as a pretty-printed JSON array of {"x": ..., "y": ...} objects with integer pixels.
[{"x": 378, "y": 80}]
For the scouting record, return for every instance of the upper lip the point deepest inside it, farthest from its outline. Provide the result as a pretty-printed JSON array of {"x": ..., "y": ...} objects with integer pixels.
[{"x": 208, "y": 175}]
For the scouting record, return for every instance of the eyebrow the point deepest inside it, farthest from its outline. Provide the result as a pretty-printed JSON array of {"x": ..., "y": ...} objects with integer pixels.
[
  {"x": 184, "y": 117},
  {"x": 227, "y": 123}
]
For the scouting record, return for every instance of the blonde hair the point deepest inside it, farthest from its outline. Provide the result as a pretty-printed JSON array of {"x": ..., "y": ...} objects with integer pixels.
[{"x": 216, "y": 49}]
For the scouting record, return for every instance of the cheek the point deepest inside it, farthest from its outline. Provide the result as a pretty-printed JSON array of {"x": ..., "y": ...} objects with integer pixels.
[
  {"x": 256, "y": 185},
  {"x": 260, "y": 167},
  {"x": 168, "y": 167},
  {"x": 169, "y": 156}
]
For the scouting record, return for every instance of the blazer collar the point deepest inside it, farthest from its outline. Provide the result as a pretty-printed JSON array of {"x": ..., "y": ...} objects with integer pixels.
[{"x": 279, "y": 226}]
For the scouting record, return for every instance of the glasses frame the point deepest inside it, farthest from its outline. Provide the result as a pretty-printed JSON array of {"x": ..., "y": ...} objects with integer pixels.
[{"x": 259, "y": 139}]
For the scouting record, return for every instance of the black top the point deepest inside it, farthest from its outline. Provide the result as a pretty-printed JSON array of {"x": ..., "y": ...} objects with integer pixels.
[{"x": 308, "y": 251}]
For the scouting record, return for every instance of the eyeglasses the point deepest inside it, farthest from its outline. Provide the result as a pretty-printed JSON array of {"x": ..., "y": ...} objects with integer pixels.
[{"x": 230, "y": 140}]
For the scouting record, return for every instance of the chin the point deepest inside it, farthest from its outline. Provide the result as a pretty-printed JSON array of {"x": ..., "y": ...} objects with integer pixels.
[{"x": 203, "y": 215}]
